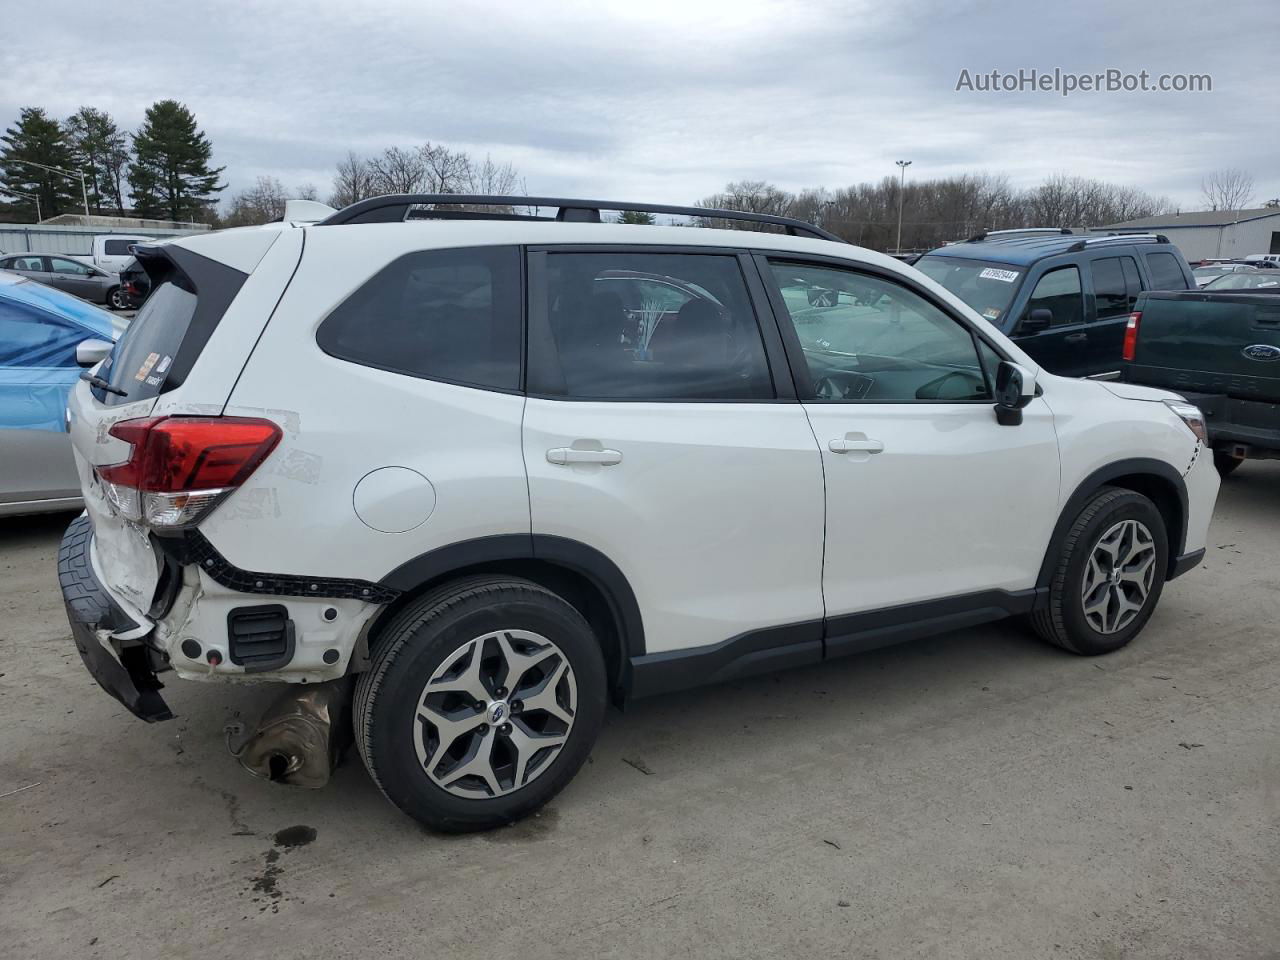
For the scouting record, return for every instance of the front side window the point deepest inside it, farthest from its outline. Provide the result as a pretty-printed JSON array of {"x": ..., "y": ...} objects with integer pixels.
[
  {"x": 1166, "y": 272},
  {"x": 641, "y": 326},
  {"x": 867, "y": 338},
  {"x": 451, "y": 315},
  {"x": 1058, "y": 291},
  {"x": 32, "y": 338},
  {"x": 62, "y": 265}
]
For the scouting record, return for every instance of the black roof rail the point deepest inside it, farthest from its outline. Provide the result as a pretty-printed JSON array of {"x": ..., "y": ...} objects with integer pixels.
[
  {"x": 394, "y": 208},
  {"x": 1023, "y": 231}
]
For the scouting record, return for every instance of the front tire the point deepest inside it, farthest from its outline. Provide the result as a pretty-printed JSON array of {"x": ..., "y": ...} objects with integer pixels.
[
  {"x": 482, "y": 700},
  {"x": 1109, "y": 575}
]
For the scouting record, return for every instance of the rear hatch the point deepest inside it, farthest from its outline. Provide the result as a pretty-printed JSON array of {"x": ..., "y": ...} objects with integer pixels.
[
  {"x": 152, "y": 372},
  {"x": 1209, "y": 343}
]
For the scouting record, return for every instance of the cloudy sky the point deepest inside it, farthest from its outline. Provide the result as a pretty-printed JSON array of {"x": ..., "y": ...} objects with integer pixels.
[{"x": 667, "y": 100}]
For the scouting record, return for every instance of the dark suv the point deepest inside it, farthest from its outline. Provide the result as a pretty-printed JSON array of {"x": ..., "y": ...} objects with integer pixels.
[{"x": 1063, "y": 298}]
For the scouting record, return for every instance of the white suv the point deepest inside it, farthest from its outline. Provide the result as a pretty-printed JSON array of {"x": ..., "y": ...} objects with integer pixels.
[{"x": 494, "y": 471}]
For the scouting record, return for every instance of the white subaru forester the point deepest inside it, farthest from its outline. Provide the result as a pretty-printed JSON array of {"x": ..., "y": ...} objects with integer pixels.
[{"x": 476, "y": 474}]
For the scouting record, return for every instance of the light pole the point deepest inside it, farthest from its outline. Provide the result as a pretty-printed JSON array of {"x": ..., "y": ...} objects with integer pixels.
[
  {"x": 24, "y": 196},
  {"x": 902, "y": 187},
  {"x": 69, "y": 174}
]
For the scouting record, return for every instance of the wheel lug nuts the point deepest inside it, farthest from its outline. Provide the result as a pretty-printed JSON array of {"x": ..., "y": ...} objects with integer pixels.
[
  {"x": 506, "y": 728},
  {"x": 483, "y": 728},
  {"x": 516, "y": 706},
  {"x": 502, "y": 691}
]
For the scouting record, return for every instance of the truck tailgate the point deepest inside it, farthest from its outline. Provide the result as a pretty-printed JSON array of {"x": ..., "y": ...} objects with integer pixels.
[{"x": 1209, "y": 343}]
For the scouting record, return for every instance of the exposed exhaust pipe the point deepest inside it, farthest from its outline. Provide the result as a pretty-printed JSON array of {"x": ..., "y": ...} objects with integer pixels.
[{"x": 300, "y": 737}]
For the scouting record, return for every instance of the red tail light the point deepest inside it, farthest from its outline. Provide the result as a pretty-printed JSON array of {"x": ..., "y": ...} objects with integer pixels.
[
  {"x": 181, "y": 467},
  {"x": 1131, "y": 336}
]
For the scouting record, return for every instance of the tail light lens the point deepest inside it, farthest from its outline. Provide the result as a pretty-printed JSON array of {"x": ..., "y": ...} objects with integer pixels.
[
  {"x": 1131, "y": 336},
  {"x": 180, "y": 468}
]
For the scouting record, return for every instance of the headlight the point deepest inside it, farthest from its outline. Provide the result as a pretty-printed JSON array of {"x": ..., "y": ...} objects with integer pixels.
[{"x": 1190, "y": 414}]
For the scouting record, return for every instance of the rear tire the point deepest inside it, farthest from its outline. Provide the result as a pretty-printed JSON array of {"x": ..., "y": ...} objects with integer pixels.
[
  {"x": 116, "y": 299},
  {"x": 1226, "y": 463},
  {"x": 1108, "y": 576},
  {"x": 440, "y": 734}
]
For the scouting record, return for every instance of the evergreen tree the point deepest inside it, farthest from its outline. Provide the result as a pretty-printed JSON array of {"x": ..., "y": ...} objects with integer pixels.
[
  {"x": 101, "y": 150},
  {"x": 170, "y": 176},
  {"x": 635, "y": 216},
  {"x": 38, "y": 138}
]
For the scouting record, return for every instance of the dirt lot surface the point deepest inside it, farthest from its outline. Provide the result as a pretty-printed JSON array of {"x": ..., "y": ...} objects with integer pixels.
[{"x": 974, "y": 795}]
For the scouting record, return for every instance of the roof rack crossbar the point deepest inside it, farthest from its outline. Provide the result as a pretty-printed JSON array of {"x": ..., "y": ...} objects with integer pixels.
[
  {"x": 1119, "y": 238},
  {"x": 1023, "y": 231},
  {"x": 394, "y": 208}
]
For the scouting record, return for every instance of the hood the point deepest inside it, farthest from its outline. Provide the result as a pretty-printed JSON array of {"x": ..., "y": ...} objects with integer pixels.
[{"x": 1131, "y": 391}]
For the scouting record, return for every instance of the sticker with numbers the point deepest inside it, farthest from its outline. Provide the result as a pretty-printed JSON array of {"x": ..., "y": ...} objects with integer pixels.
[{"x": 1005, "y": 276}]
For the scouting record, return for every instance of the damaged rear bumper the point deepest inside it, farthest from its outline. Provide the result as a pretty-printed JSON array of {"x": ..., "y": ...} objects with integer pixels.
[{"x": 125, "y": 669}]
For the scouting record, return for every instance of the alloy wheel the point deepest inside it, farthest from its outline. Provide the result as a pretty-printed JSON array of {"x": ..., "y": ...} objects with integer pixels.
[
  {"x": 1119, "y": 576},
  {"x": 495, "y": 714}
]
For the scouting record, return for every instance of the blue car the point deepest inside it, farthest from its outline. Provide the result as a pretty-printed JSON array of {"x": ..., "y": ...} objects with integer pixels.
[{"x": 40, "y": 329}]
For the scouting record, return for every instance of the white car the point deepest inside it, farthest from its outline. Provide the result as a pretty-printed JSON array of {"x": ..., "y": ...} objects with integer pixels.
[{"x": 442, "y": 458}]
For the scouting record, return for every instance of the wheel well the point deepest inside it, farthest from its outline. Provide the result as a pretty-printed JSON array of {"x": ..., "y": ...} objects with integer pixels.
[
  {"x": 577, "y": 589},
  {"x": 1164, "y": 495}
]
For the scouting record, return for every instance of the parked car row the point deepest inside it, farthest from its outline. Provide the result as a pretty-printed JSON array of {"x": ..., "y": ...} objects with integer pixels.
[{"x": 107, "y": 276}]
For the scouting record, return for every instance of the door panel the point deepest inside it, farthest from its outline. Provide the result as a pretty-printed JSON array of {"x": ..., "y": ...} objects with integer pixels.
[
  {"x": 1064, "y": 347},
  {"x": 713, "y": 512},
  {"x": 928, "y": 497},
  {"x": 952, "y": 503}
]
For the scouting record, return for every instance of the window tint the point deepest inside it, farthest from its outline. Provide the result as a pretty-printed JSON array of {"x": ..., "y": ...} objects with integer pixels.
[
  {"x": 865, "y": 338},
  {"x": 62, "y": 265},
  {"x": 1166, "y": 273},
  {"x": 1132, "y": 279},
  {"x": 1059, "y": 292},
  {"x": 142, "y": 357},
  {"x": 1110, "y": 290},
  {"x": 449, "y": 315},
  {"x": 24, "y": 263},
  {"x": 117, "y": 248},
  {"x": 32, "y": 338},
  {"x": 639, "y": 326}
]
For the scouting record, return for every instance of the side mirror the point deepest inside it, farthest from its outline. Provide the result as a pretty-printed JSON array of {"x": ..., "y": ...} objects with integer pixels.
[
  {"x": 92, "y": 352},
  {"x": 1037, "y": 320},
  {"x": 1015, "y": 388}
]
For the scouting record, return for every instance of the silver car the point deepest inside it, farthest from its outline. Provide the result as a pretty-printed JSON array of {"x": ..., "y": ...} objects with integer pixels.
[{"x": 66, "y": 273}]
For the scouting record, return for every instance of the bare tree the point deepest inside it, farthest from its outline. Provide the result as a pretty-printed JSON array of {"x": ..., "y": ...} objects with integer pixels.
[
  {"x": 353, "y": 182},
  {"x": 396, "y": 170},
  {"x": 263, "y": 202},
  {"x": 1227, "y": 189}
]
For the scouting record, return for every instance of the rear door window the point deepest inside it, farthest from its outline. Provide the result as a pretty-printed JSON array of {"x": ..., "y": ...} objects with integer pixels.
[
  {"x": 647, "y": 326},
  {"x": 1166, "y": 272},
  {"x": 451, "y": 315},
  {"x": 1058, "y": 291},
  {"x": 1112, "y": 293}
]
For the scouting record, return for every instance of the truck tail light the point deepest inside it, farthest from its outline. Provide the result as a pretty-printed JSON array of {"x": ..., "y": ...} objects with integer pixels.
[
  {"x": 180, "y": 468},
  {"x": 1131, "y": 336}
]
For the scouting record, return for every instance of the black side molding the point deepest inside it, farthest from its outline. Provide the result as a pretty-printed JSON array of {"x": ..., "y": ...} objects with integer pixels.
[{"x": 1185, "y": 563}]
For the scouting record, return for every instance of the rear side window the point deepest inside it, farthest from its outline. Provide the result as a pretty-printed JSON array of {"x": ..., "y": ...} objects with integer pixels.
[
  {"x": 1115, "y": 286},
  {"x": 647, "y": 326},
  {"x": 451, "y": 315},
  {"x": 1166, "y": 272},
  {"x": 117, "y": 248}
]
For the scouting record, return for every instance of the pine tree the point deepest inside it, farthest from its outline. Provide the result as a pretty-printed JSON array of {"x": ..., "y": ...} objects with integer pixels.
[
  {"x": 101, "y": 150},
  {"x": 636, "y": 216},
  {"x": 38, "y": 138},
  {"x": 170, "y": 176}
]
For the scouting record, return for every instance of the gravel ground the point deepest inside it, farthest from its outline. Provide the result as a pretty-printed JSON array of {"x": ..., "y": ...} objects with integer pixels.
[{"x": 973, "y": 795}]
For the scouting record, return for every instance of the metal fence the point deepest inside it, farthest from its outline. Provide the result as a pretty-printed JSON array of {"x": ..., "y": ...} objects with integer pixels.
[{"x": 73, "y": 241}]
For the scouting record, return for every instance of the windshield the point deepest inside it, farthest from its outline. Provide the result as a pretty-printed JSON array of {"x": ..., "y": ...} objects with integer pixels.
[
  {"x": 987, "y": 287},
  {"x": 1244, "y": 281}
]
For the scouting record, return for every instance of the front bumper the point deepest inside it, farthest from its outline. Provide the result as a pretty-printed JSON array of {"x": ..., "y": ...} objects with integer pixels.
[{"x": 122, "y": 668}]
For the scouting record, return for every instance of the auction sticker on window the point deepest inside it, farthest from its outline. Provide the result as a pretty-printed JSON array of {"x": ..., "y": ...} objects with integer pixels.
[{"x": 1005, "y": 276}]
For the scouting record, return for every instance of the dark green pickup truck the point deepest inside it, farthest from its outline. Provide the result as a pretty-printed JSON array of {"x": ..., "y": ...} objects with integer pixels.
[{"x": 1222, "y": 352}]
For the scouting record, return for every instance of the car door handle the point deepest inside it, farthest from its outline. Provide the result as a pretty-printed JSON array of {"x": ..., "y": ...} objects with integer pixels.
[
  {"x": 1075, "y": 338},
  {"x": 567, "y": 455},
  {"x": 849, "y": 445}
]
